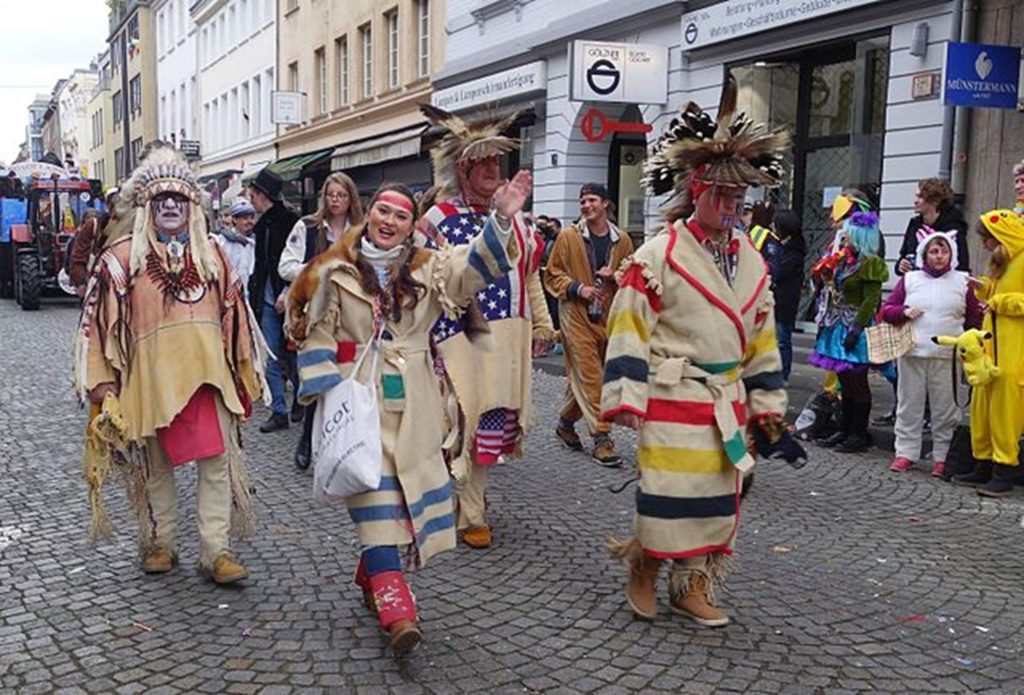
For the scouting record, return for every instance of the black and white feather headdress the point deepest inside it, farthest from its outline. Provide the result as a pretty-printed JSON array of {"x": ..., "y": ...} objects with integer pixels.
[{"x": 464, "y": 141}]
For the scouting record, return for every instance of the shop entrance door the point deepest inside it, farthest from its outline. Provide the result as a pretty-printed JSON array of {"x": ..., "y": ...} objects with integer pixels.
[{"x": 832, "y": 99}]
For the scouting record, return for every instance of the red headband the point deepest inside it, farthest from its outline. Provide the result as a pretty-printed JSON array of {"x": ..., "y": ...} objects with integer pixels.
[
  {"x": 395, "y": 199},
  {"x": 697, "y": 186}
]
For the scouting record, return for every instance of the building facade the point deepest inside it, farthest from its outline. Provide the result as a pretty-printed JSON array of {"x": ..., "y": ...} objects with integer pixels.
[
  {"x": 844, "y": 78},
  {"x": 362, "y": 68},
  {"x": 236, "y": 47},
  {"x": 132, "y": 44},
  {"x": 101, "y": 124},
  {"x": 34, "y": 129},
  {"x": 75, "y": 133},
  {"x": 176, "y": 75}
]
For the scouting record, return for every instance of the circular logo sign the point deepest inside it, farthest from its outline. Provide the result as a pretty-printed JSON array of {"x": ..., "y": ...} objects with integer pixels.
[
  {"x": 690, "y": 33},
  {"x": 603, "y": 77},
  {"x": 84, "y": 196}
]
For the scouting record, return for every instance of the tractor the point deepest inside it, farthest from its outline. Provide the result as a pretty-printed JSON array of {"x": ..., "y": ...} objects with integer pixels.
[{"x": 42, "y": 207}]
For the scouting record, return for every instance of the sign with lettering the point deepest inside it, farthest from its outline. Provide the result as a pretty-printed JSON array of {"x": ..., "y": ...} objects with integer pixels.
[
  {"x": 287, "y": 107},
  {"x": 981, "y": 75},
  {"x": 733, "y": 19},
  {"x": 619, "y": 72},
  {"x": 515, "y": 82}
]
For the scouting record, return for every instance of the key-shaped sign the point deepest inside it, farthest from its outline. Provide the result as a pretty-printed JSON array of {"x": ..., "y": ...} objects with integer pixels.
[{"x": 596, "y": 126}]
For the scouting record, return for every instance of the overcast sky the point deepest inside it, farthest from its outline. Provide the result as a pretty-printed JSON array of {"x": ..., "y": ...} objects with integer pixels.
[{"x": 43, "y": 41}]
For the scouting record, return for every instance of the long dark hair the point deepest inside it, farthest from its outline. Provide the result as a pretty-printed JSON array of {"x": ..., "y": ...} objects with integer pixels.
[{"x": 403, "y": 291}]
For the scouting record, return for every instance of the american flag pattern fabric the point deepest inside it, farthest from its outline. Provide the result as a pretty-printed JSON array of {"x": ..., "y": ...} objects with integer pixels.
[
  {"x": 496, "y": 434},
  {"x": 454, "y": 222}
]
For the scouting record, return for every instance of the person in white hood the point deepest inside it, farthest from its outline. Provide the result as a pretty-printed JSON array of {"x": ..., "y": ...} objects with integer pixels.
[{"x": 939, "y": 300}]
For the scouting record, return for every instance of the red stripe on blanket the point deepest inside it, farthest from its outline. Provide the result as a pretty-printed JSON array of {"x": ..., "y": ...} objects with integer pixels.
[
  {"x": 689, "y": 412},
  {"x": 634, "y": 278},
  {"x": 345, "y": 351}
]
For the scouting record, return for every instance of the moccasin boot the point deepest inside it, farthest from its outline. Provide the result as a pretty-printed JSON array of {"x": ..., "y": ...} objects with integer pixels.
[
  {"x": 697, "y": 602},
  {"x": 642, "y": 587},
  {"x": 478, "y": 537},
  {"x": 604, "y": 452},
  {"x": 226, "y": 570},
  {"x": 567, "y": 435},
  {"x": 159, "y": 561},
  {"x": 396, "y": 611},
  {"x": 362, "y": 580}
]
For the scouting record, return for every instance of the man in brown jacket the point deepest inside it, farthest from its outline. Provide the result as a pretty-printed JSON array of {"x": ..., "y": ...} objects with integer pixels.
[{"x": 580, "y": 273}]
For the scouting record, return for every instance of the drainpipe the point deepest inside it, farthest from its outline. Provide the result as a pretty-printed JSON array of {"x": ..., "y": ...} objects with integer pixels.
[
  {"x": 949, "y": 116},
  {"x": 962, "y": 131}
]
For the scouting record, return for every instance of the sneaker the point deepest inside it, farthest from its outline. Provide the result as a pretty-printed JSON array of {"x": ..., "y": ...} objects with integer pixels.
[
  {"x": 604, "y": 453},
  {"x": 568, "y": 437},
  {"x": 887, "y": 420},
  {"x": 939, "y": 469},
  {"x": 276, "y": 421},
  {"x": 901, "y": 464}
]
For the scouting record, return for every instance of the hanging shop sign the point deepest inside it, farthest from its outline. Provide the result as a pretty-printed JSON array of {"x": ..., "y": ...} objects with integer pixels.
[
  {"x": 596, "y": 126},
  {"x": 287, "y": 107},
  {"x": 981, "y": 75},
  {"x": 515, "y": 82},
  {"x": 619, "y": 72},
  {"x": 735, "y": 18}
]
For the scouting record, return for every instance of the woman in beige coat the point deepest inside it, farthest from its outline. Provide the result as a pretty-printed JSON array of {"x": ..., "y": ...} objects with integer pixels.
[{"x": 376, "y": 279}]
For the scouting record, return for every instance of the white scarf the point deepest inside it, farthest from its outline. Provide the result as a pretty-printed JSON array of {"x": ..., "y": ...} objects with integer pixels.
[{"x": 379, "y": 259}]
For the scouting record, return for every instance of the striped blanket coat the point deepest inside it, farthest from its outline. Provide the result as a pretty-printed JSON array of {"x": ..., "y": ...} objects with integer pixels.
[
  {"x": 331, "y": 317},
  {"x": 696, "y": 359}
]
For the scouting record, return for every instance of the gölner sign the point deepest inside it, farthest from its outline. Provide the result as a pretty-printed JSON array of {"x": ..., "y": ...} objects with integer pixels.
[{"x": 619, "y": 72}]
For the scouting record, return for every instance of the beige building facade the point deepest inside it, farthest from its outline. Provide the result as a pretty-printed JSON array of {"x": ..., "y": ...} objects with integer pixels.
[
  {"x": 101, "y": 125},
  {"x": 133, "y": 45},
  {"x": 363, "y": 67}
]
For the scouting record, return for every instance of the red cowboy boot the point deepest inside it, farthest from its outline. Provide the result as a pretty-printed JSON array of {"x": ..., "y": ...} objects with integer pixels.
[
  {"x": 362, "y": 580},
  {"x": 396, "y": 610}
]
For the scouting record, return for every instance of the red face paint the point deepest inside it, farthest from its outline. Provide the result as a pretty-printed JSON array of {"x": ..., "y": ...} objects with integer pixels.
[{"x": 395, "y": 199}]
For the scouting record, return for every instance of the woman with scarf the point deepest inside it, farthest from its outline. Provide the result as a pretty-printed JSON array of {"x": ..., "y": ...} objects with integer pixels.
[
  {"x": 375, "y": 281},
  {"x": 338, "y": 210},
  {"x": 851, "y": 280}
]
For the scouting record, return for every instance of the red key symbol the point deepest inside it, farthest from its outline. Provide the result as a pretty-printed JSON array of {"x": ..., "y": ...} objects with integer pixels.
[{"x": 596, "y": 126}]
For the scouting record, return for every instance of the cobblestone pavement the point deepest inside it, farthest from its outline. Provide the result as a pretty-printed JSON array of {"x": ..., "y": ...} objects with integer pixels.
[{"x": 851, "y": 578}]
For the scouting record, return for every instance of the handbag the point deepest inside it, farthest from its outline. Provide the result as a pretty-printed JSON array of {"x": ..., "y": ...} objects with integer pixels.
[
  {"x": 960, "y": 459},
  {"x": 886, "y": 341},
  {"x": 347, "y": 455}
]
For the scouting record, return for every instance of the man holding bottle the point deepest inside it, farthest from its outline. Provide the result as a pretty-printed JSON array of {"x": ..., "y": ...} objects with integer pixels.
[{"x": 580, "y": 273}]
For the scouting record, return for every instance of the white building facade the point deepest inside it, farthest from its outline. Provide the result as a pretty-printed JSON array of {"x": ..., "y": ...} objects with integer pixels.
[
  {"x": 236, "y": 56},
  {"x": 848, "y": 79},
  {"x": 75, "y": 131},
  {"x": 177, "y": 85}
]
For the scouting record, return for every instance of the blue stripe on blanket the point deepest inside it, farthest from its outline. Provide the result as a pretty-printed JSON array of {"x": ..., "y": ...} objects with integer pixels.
[
  {"x": 308, "y": 358},
  {"x": 625, "y": 367},
  {"x": 662, "y": 507},
  {"x": 765, "y": 381}
]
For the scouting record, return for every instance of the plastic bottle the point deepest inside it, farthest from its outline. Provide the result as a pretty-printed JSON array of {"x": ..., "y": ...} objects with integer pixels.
[{"x": 596, "y": 308}]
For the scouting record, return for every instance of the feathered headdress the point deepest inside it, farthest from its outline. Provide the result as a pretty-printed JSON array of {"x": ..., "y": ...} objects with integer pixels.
[
  {"x": 164, "y": 170},
  {"x": 464, "y": 141},
  {"x": 696, "y": 152}
]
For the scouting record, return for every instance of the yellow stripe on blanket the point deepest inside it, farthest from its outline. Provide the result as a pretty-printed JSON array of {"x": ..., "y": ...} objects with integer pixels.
[
  {"x": 628, "y": 321},
  {"x": 677, "y": 460},
  {"x": 762, "y": 343}
]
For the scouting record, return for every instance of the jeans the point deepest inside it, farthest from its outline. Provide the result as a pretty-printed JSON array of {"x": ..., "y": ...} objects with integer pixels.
[
  {"x": 272, "y": 325},
  {"x": 784, "y": 335}
]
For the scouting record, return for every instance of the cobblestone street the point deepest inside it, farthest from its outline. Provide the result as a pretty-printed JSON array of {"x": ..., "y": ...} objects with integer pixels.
[{"x": 850, "y": 578}]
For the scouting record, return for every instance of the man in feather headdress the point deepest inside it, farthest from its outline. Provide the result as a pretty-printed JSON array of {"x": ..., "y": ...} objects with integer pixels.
[
  {"x": 491, "y": 378},
  {"x": 166, "y": 350},
  {"x": 692, "y": 358}
]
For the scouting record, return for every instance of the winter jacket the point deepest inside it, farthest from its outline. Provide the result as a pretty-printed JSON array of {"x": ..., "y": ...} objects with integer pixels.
[
  {"x": 787, "y": 282},
  {"x": 271, "y": 233}
]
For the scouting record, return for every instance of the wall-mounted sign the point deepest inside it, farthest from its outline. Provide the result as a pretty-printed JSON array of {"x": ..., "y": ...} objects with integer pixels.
[
  {"x": 190, "y": 148},
  {"x": 514, "y": 82},
  {"x": 925, "y": 85},
  {"x": 596, "y": 126},
  {"x": 619, "y": 72},
  {"x": 981, "y": 75},
  {"x": 735, "y": 18},
  {"x": 287, "y": 107}
]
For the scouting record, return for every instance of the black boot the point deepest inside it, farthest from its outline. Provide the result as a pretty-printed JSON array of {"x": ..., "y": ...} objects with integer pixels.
[
  {"x": 1001, "y": 483},
  {"x": 304, "y": 450},
  {"x": 859, "y": 439},
  {"x": 981, "y": 474},
  {"x": 276, "y": 421},
  {"x": 845, "y": 424}
]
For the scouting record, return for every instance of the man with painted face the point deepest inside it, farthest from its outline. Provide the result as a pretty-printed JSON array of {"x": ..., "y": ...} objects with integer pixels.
[
  {"x": 167, "y": 354},
  {"x": 580, "y": 274},
  {"x": 692, "y": 359},
  {"x": 490, "y": 374}
]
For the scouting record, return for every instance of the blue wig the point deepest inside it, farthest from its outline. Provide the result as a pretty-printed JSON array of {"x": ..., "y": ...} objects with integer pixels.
[{"x": 861, "y": 230}]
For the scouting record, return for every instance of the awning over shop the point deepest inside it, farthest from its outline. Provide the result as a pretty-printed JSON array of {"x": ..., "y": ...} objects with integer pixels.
[
  {"x": 232, "y": 191},
  {"x": 396, "y": 145},
  {"x": 291, "y": 168}
]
